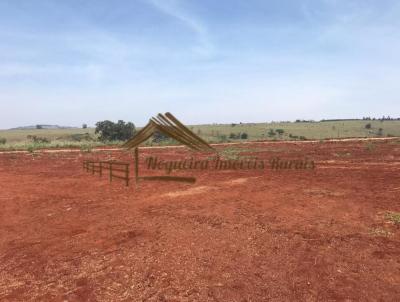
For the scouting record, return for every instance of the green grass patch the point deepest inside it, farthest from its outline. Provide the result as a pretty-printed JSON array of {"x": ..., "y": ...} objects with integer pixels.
[
  {"x": 393, "y": 217},
  {"x": 235, "y": 153},
  {"x": 230, "y": 153}
]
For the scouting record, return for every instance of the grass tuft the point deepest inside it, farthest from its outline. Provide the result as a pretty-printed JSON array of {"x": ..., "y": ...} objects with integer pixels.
[
  {"x": 381, "y": 232},
  {"x": 394, "y": 217},
  {"x": 370, "y": 146}
]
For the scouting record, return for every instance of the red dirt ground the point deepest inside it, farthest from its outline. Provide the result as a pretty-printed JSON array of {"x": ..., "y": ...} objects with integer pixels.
[{"x": 254, "y": 235}]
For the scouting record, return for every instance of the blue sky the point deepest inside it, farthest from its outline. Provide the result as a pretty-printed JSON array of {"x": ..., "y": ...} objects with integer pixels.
[{"x": 73, "y": 62}]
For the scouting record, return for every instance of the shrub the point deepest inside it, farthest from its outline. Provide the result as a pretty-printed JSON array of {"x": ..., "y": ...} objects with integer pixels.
[
  {"x": 3, "y": 141},
  {"x": 368, "y": 126},
  {"x": 84, "y": 126},
  {"x": 244, "y": 135},
  {"x": 38, "y": 139},
  {"x": 271, "y": 133},
  {"x": 159, "y": 137},
  {"x": 222, "y": 137},
  {"x": 280, "y": 131},
  {"x": 86, "y": 148},
  {"x": 233, "y": 136}
]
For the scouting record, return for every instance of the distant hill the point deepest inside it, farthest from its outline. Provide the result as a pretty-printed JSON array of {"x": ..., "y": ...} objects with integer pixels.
[{"x": 41, "y": 127}]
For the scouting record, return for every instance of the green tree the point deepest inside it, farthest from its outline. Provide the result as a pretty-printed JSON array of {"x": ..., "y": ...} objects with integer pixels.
[{"x": 110, "y": 131}]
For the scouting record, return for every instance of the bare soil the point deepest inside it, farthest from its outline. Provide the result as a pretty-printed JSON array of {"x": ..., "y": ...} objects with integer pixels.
[{"x": 238, "y": 235}]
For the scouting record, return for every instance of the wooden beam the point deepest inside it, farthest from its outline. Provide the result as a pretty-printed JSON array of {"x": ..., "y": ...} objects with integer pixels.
[{"x": 137, "y": 164}]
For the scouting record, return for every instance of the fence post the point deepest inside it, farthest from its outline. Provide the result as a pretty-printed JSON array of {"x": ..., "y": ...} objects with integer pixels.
[
  {"x": 127, "y": 174},
  {"x": 137, "y": 165}
]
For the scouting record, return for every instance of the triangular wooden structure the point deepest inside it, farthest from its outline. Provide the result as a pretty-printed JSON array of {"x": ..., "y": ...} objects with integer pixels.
[{"x": 171, "y": 126}]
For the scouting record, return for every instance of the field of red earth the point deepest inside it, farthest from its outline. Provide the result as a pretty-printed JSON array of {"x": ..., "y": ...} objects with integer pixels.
[{"x": 237, "y": 235}]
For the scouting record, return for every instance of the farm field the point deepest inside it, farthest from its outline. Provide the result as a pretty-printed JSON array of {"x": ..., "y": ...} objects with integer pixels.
[
  {"x": 216, "y": 133},
  {"x": 314, "y": 130},
  {"x": 19, "y": 136},
  {"x": 327, "y": 234}
]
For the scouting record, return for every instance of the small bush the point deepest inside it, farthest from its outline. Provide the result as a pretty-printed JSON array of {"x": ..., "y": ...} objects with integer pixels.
[
  {"x": 86, "y": 148},
  {"x": 159, "y": 137},
  {"x": 233, "y": 136},
  {"x": 242, "y": 135},
  {"x": 222, "y": 138},
  {"x": 368, "y": 126},
  {"x": 3, "y": 141},
  {"x": 38, "y": 139},
  {"x": 271, "y": 133}
]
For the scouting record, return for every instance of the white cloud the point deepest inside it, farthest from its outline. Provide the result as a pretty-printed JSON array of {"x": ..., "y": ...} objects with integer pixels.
[{"x": 174, "y": 10}]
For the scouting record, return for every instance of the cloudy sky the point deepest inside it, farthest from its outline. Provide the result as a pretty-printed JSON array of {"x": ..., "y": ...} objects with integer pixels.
[{"x": 73, "y": 62}]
